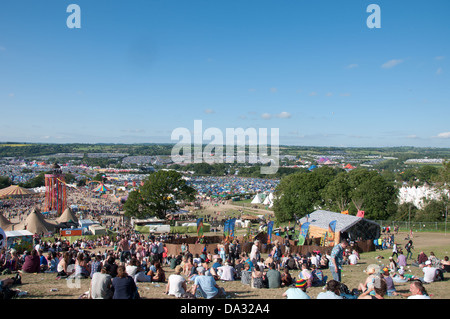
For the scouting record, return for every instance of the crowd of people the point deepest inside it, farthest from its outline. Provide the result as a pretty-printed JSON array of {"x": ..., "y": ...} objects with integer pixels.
[{"x": 123, "y": 261}]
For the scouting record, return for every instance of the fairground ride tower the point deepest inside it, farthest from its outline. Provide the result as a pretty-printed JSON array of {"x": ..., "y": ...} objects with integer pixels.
[{"x": 55, "y": 191}]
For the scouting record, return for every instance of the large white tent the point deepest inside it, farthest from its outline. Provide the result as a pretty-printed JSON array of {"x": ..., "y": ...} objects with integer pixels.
[{"x": 257, "y": 199}]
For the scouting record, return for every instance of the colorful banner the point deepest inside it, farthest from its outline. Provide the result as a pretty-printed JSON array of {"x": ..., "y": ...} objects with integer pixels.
[
  {"x": 304, "y": 228},
  {"x": 200, "y": 227},
  {"x": 269, "y": 232},
  {"x": 331, "y": 232},
  {"x": 360, "y": 214},
  {"x": 226, "y": 228},
  {"x": 345, "y": 212},
  {"x": 231, "y": 227}
]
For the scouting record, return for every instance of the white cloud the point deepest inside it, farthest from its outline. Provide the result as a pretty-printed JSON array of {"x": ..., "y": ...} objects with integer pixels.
[
  {"x": 2, "y": 48},
  {"x": 352, "y": 66},
  {"x": 440, "y": 57},
  {"x": 329, "y": 94},
  {"x": 209, "y": 111},
  {"x": 282, "y": 115},
  {"x": 439, "y": 71},
  {"x": 273, "y": 90},
  {"x": 313, "y": 94},
  {"x": 391, "y": 64},
  {"x": 443, "y": 135}
]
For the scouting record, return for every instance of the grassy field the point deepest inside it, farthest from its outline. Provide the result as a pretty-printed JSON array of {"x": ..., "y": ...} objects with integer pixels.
[{"x": 45, "y": 286}]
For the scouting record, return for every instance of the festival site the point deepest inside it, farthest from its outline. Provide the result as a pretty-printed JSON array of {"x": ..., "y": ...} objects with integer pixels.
[{"x": 223, "y": 241}]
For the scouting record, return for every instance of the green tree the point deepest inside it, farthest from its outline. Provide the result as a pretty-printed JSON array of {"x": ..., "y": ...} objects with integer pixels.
[
  {"x": 337, "y": 192},
  {"x": 4, "y": 182},
  {"x": 371, "y": 193},
  {"x": 433, "y": 211},
  {"x": 301, "y": 193},
  {"x": 159, "y": 195}
]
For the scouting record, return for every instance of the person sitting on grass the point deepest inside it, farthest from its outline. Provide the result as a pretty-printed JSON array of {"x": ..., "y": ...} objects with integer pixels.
[
  {"x": 416, "y": 291},
  {"x": 286, "y": 278},
  {"x": 333, "y": 291},
  {"x": 273, "y": 277},
  {"x": 206, "y": 287},
  {"x": 246, "y": 275},
  {"x": 379, "y": 288},
  {"x": 297, "y": 292},
  {"x": 159, "y": 275},
  {"x": 176, "y": 284},
  {"x": 32, "y": 263}
]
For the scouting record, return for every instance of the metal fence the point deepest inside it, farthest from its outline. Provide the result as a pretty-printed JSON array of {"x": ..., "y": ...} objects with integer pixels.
[{"x": 415, "y": 226}]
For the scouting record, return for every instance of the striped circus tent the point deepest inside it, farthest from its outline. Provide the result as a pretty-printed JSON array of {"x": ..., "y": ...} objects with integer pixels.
[
  {"x": 101, "y": 189},
  {"x": 15, "y": 190}
]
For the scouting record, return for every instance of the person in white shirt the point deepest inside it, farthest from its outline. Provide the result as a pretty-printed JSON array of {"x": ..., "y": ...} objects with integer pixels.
[
  {"x": 333, "y": 291},
  {"x": 314, "y": 260},
  {"x": 429, "y": 273},
  {"x": 353, "y": 258},
  {"x": 417, "y": 291},
  {"x": 176, "y": 284},
  {"x": 131, "y": 269},
  {"x": 227, "y": 272}
]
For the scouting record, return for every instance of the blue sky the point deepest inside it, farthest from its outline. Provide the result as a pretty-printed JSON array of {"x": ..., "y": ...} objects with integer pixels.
[{"x": 137, "y": 70}]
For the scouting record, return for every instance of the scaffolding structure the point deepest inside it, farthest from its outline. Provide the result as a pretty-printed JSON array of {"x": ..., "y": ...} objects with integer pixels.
[{"x": 55, "y": 191}]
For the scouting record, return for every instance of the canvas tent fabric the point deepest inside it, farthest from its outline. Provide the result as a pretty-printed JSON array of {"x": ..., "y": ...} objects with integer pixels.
[
  {"x": 5, "y": 224},
  {"x": 353, "y": 227},
  {"x": 36, "y": 223},
  {"x": 257, "y": 199},
  {"x": 67, "y": 216},
  {"x": 15, "y": 190}
]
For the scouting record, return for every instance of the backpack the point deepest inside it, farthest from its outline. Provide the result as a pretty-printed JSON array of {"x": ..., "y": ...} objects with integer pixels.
[{"x": 154, "y": 249}]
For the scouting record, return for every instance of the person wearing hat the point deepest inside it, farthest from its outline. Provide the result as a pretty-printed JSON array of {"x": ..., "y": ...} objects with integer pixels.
[
  {"x": 390, "y": 286},
  {"x": 101, "y": 284},
  {"x": 372, "y": 271},
  {"x": 176, "y": 284},
  {"x": 299, "y": 292}
]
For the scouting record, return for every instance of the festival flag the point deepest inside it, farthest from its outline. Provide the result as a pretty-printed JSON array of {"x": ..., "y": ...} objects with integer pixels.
[
  {"x": 200, "y": 227},
  {"x": 269, "y": 232},
  {"x": 126, "y": 183},
  {"x": 360, "y": 214},
  {"x": 331, "y": 232},
  {"x": 345, "y": 212},
  {"x": 304, "y": 228},
  {"x": 231, "y": 226},
  {"x": 226, "y": 228}
]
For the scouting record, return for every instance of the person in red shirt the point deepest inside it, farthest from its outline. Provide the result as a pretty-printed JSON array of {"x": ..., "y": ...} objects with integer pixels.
[{"x": 31, "y": 263}]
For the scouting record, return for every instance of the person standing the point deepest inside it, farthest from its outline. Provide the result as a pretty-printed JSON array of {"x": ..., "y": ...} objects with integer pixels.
[
  {"x": 336, "y": 260},
  {"x": 409, "y": 247}
]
